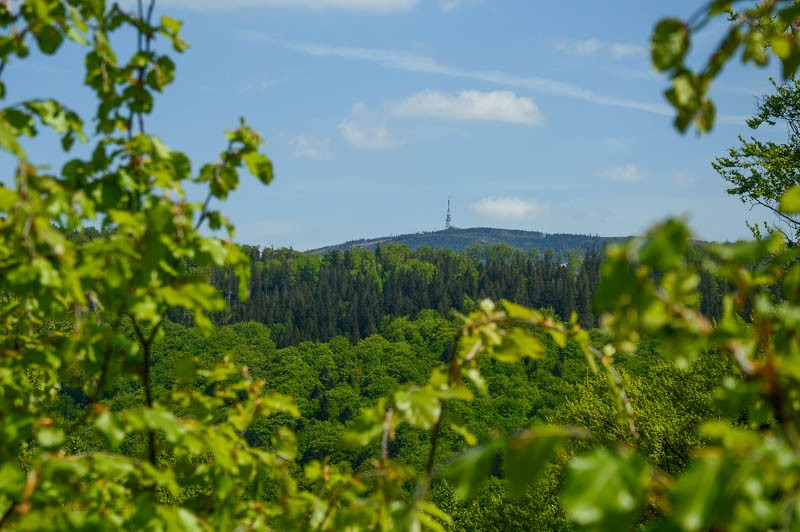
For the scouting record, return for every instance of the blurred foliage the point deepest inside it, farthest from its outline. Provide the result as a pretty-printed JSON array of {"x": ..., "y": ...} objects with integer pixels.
[
  {"x": 761, "y": 30},
  {"x": 761, "y": 172},
  {"x": 116, "y": 418}
]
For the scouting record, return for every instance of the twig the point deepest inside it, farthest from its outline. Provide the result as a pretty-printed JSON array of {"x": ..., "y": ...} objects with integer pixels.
[
  {"x": 387, "y": 425},
  {"x": 146, "y": 344},
  {"x": 7, "y": 514},
  {"x": 452, "y": 378},
  {"x": 203, "y": 211}
]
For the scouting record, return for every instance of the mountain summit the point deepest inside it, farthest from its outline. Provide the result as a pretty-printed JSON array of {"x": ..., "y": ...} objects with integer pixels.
[{"x": 458, "y": 239}]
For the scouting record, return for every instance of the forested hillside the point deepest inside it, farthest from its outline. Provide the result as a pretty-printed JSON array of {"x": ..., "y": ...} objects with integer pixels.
[
  {"x": 334, "y": 381},
  {"x": 156, "y": 375},
  {"x": 305, "y": 296},
  {"x": 459, "y": 239}
]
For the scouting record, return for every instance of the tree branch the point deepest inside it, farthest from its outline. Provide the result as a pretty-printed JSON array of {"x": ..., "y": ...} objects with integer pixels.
[
  {"x": 7, "y": 514},
  {"x": 146, "y": 343},
  {"x": 795, "y": 224}
]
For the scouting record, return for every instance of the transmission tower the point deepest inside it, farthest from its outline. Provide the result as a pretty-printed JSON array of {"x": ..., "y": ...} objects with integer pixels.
[{"x": 449, "y": 219}]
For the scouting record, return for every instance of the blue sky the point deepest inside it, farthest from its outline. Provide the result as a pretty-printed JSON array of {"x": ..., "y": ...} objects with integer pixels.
[{"x": 527, "y": 114}]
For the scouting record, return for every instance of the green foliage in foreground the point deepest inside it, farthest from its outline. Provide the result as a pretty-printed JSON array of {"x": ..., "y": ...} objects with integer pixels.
[
  {"x": 761, "y": 30},
  {"x": 760, "y": 172},
  {"x": 216, "y": 447}
]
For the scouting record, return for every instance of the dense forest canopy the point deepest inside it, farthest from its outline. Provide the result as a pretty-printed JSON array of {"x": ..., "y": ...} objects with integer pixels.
[
  {"x": 353, "y": 292},
  {"x": 657, "y": 389}
]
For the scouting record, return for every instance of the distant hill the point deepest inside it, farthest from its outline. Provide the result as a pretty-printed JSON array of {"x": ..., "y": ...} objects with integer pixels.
[{"x": 458, "y": 239}]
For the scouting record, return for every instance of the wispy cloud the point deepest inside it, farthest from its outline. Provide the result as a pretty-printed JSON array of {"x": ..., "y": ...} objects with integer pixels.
[
  {"x": 629, "y": 173},
  {"x": 311, "y": 147},
  {"x": 733, "y": 120},
  {"x": 587, "y": 47},
  {"x": 495, "y": 106},
  {"x": 451, "y": 5},
  {"x": 376, "y": 6},
  {"x": 249, "y": 86},
  {"x": 508, "y": 208},
  {"x": 410, "y": 62},
  {"x": 365, "y": 130},
  {"x": 621, "y": 50},
  {"x": 683, "y": 179},
  {"x": 596, "y": 46}
]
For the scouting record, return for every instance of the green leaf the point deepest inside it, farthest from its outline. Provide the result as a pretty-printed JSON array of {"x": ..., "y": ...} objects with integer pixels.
[
  {"x": 528, "y": 454},
  {"x": 181, "y": 165},
  {"x": 470, "y": 470},
  {"x": 790, "y": 201},
  {"x": 50, "y": 437},
  {"x": 108, "y": 425},
  {"x": 164, "y": 421},
  {"x": 666, "y": 245},
  {"x": 704, "y": 121},
  {"x": 170, "y": 24},
  {"x": 162, "y": 73},
  {"x": 188, "y": 520},
  {"x": 98, "y": 7},
  {"x": 276, "y": 402},
  {"x": 420, "y": 406},
  {"x": 366, "y": 428},
  {"x": 469, "y": 438},
  {"x": 559, "y": 337},
  {"x": 223, "y": 179},
  {"x": 260, "y": 166},
  {"x": 49, "y": 39},
  {"x": 8, "y": 139},
  {"x": 684, "y": 85},
  {"x": 519, "y": 312},
  {"x": 74, "y": 35},
  {"x": 431, "y": 517},
  {"x": 781, "y": 46},
  {"x": 604, "y": 490},
  {"x": 669, "y": 43},
  {"x": 8, "y": 198},
  {"x": 755, "y": 47},
  {"x": 704, "y": 494},
  {"x": 474, "y": 376},
  {"x": 791, "y": 284},
  {"x": 517, "y": 344},
  {"x": 12, "y": 479}
]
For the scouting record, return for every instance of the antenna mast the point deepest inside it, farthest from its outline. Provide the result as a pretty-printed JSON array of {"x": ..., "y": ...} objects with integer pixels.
[{"x": 449, "y": 219}]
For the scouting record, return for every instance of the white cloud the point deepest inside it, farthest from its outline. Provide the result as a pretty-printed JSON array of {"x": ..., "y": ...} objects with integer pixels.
[
  {"x": 586, "y": 47},
  {"x": 451, "y": 5},
  {"x": 311, "y": 147},
  {"x": 596, "y": 46},
  {"x": 628, "y": 173},
  {"x": 401, "y": 60},
  {"x": 248, "y": 86},
  {"x": 508, "y": 207},
  {"x": 682, "y": 179},
  {"x": 366, "y": 136},
  {"x": 495, "y": 106},
  {"x": 734, "y": 120},
  {"x": 377, "y": 6},
  {"x": 621, "y": 50}
]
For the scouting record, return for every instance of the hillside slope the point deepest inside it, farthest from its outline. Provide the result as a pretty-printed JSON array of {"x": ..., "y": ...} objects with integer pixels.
[{"x": 458, "y": 239}]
